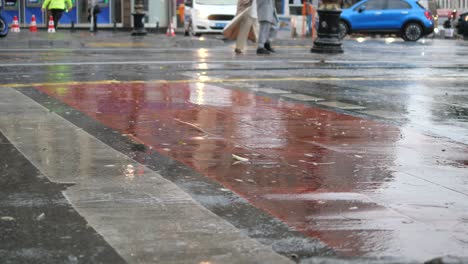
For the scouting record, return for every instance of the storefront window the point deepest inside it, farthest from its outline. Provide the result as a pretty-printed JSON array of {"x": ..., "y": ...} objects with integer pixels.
[
  {"x": 279, "y": 6},
  {"x": 216, "y": 2},
  {"x": 105, "y": 17},
  {"x": 11, "y": 4},
  {"x": 33, "y": 3},
  {"x": 83, "y": 11}
]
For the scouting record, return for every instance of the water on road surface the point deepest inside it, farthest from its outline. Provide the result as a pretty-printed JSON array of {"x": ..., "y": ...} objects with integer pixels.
[{"x": 364, "y": 154}]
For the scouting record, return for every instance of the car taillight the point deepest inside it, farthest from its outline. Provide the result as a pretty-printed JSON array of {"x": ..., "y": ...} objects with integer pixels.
[{"x": 428, "y": 15}]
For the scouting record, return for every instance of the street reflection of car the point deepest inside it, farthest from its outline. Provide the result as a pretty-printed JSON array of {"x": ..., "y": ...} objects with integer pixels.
[
  {"x": 462, "y": 24},
  {"x": 407, "y": 18}
]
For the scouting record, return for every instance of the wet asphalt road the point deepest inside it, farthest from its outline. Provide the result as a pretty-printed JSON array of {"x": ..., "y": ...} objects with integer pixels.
[{"x": 357, "y": 155}]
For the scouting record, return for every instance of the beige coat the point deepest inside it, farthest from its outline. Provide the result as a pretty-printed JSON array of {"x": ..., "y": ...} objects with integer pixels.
[
  {"x": 232, "y": 29},
  {"x": 242, "y": 5}
]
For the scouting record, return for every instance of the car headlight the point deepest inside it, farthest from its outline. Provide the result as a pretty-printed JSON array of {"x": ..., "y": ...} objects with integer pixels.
[{"x": 201, "y": 14}]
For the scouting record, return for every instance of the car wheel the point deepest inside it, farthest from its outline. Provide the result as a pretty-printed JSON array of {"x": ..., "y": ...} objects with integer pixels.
[
  {"x": 412, "y": 32},
  {"x": 3, "y": 28},
  {"x": 343, "y": 29}
]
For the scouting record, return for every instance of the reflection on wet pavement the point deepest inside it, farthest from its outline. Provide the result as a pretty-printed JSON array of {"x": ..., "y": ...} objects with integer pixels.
[{"x": 363, "y": 187}]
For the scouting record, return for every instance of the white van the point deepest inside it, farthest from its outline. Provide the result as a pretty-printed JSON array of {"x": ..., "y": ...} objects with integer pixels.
[{"x": 208, "y": 16}]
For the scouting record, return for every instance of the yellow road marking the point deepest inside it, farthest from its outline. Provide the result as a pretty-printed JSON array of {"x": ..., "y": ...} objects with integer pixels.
[
  {"x": 205, "y": 79},
  {"x": 116, "y": 45}
]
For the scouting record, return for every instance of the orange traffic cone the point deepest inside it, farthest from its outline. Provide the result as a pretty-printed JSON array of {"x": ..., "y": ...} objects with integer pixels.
[
  {"x": 15, "y": 26},
  {"x": 170, "y": 31},
  {"x": 33, "y": 26},
  {"x": 51, "y": 28}
]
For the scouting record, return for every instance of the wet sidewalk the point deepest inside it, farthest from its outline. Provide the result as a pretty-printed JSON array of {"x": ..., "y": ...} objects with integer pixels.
[
  {"x": 37, "y": 223},
  {"x": 329, "y": 175},
  {"x": 199, "y": 156},
  {"x": 64, "y": 39}
]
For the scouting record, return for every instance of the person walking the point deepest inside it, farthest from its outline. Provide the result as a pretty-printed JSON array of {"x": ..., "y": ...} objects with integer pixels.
[
  {"x": 248, "y": 22},
  {"x": 268, "y": 19},
  {"x": 188, "y": 25},
  {"x": 93, "y": 12},
  {"x": 307, "y": 12},
  {"x": 56, "y": 8}
]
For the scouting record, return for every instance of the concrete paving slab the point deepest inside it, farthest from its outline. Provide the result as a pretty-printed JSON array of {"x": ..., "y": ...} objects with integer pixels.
[
  {"x": 303, "y": 97},
  {"x": 37, "y": 223},
  {"x": 230, "y": 206},
  {"x": 384, "y": 114},
  {"x": 341, "y": 105},
  {"x": 396, "y": 164},
  {"x": 143, "y": 216},
  {"x": 271, "y": 91},
  {"x": 104, "y": 39},
  {"x": 310, "y": 158}
]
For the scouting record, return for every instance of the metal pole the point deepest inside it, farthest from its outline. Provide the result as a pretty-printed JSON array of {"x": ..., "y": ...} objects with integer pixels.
[
  {"x": 91, "y": 13},
  {"x": 169, "y": 13}
]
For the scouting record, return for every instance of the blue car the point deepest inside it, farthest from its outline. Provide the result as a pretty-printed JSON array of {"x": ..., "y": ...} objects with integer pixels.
[{"x": 407, "y": 18}]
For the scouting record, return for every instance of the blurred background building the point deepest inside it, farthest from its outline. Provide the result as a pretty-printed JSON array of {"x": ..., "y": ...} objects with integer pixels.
[{"x": 117, "y": 13}]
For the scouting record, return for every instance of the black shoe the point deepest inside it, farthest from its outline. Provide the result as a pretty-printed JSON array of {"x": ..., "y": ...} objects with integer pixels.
[
  {"x": 262, "y": 51},
  {"x": 186, "y": 34},
  {"x": 238, "y": 51},
  {"x": 268, "y": 47}
]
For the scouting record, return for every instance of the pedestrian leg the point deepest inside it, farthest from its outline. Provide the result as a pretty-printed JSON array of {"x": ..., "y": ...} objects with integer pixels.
[
  {"x": 309, "y": 25},
  {"x": 56, "y": 14},
  {"x": 263, "y": 37},
  {"x": 95, "y": 22},
  {"x": 263, "y": 33},
  {"x": 244, "y": 30},
  {"x": 271, "y": 36}
]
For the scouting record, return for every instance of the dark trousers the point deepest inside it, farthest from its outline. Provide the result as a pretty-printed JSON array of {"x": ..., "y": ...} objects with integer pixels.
[
  {"x": 95, "y": 22},
  {"x": 56, "y": 14},
  {"x": 465, "y": 29}
]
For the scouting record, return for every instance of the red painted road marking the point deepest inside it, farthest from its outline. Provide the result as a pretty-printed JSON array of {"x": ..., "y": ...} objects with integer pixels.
[{"x": 329, "y": 175}]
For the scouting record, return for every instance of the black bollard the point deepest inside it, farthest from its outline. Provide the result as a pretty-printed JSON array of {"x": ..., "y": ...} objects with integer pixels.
[
  {"x": 328, "y": 40},
  {"x": 139, "y": 25},
  {"x": 138, "y": 16},
  {"x": 465, "y": 29}
]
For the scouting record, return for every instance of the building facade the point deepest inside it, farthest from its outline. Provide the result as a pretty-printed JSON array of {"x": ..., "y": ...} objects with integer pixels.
[
  {"x": 116, "y": 13},
  {"x": 111, "y": 12},
  {"x": 451, "y": 4}
]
